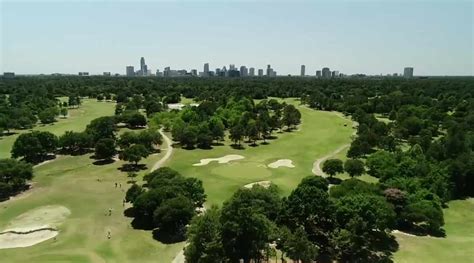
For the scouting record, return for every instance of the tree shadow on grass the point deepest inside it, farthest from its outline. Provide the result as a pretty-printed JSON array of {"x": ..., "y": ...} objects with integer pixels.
[
  {"x": 217, "y": 144},
  {"x": 142, "y": 223},
  {"x": 129, "y": 167},
  {"x": 103, "y": 162},
  {"x": 168, "y": 237},
  {"x": 237, "y": 146},
  {"x": 129, "y": 212}
]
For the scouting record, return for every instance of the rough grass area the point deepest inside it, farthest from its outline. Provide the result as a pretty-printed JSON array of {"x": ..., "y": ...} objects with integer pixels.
[{"x": 88, "y": 191}]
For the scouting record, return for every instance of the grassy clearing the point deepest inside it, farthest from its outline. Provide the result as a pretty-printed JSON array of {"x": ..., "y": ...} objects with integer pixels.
[
  {"x": 77, "y": 121},
  {"x": 458, "y": 246}
]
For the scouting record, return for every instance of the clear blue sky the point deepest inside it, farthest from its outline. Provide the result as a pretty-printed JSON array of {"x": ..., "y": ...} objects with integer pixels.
[{"x": 435, "y": 37}]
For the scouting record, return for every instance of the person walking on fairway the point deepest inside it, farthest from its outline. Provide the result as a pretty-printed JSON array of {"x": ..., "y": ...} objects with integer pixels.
[
  {"x": 108, "y": 235},
  {"x": 110, "y": 211}
]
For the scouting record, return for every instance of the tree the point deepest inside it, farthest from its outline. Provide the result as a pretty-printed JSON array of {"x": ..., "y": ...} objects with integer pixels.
[
  {"x": 64, "y": 112},
  {"x": 133, "y": 192},
  {"x": 152, "y": 106},
  {"x": 333, "y": 167},
  {"x": 35, "y": 146},
  {"x": 217, "y": 128},
  {"x": 252, "y": 131},
  {"x": 74, "y": 101},
  {"x": 204, "y": 136},
  {"x": 75, "y": 142},
  {"x": 174, "y": 214},
  {"x": 382, "y": 164},
  {"x": 364, "y": 222},
  {"x": 354, "y": 186},
  {"x": 236, "y": 134},
  {"x": 13, "y": 176},
  {"x": 177, "y": 131},
  {"x": 102, "y": 128},
  {"x": 247, "y": 227},
  {"x": 297, "y": 246},
  {"x": 134, "y": 153},
  {"x": 149, "y": 138},
  {"x": 134, "y": 119},
  {"x": 205, "y": 238},
  {"x": 309, "y": 206},
  {"x": 291, "y": 116},
  {"x": 105, "y": 149},
  {"x": 126, "y": 139},
  {"x": 354, "y": 167},
  {"x": 189, "y": 138},
  {"x": 48, "y": 115}
]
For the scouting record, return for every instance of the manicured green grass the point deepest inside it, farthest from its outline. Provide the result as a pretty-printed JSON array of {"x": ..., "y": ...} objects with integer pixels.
[
  {"x": 319, "y": 134},
  {"x": 77, "y": 121},
  {"x": 457, "y": 246}
]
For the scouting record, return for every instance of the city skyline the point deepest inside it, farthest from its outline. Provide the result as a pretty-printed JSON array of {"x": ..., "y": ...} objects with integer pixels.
[{"x": 364, "y": 37}]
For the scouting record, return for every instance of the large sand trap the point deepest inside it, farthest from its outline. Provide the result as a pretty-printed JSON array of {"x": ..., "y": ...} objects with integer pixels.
[
  {"x": 25, "y": 239},
  {"x": 33, "y": 227},
  {"x": 224, "y": 159},
  {"x": 264, "y": 184},
  {"x": 282, "y": 163}
]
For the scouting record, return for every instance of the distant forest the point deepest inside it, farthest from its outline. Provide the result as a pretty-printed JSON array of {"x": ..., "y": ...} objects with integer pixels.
[{"x": 415, "y": 135}]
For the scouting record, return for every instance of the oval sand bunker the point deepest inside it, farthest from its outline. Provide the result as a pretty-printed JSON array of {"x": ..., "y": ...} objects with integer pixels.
[
  {"x": 282, "y": 163},
  {"x": 33, "y": 227},
  {"x": 264, "y": 184},
  {"x": 224, "y": 159}
]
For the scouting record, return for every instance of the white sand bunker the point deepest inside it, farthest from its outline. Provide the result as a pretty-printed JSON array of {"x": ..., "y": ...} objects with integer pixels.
[
  {"x": 33, "y": 227},
  {"x": 264, "y": 184},
  {"x": 282, "y": 163},
  {"x": 224, "y": 159}
]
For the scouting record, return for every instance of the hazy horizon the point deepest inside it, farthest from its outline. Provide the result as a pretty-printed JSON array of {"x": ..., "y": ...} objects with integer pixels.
[{"x": 434, "y": 37}]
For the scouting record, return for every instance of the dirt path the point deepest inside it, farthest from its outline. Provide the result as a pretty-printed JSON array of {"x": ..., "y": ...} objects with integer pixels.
[
  {"x": 317, "y": 164},
  {"x": 179, "y": 257},
  {"x": 169, "y": 152}
]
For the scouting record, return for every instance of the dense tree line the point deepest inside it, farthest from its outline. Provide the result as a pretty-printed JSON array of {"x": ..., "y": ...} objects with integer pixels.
[
  {"x": 242, "y": 118},
  {"x": 13, "y": 177},
  {"x": 351, "y": 223},
  {"x": 166, "y": 203}
]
